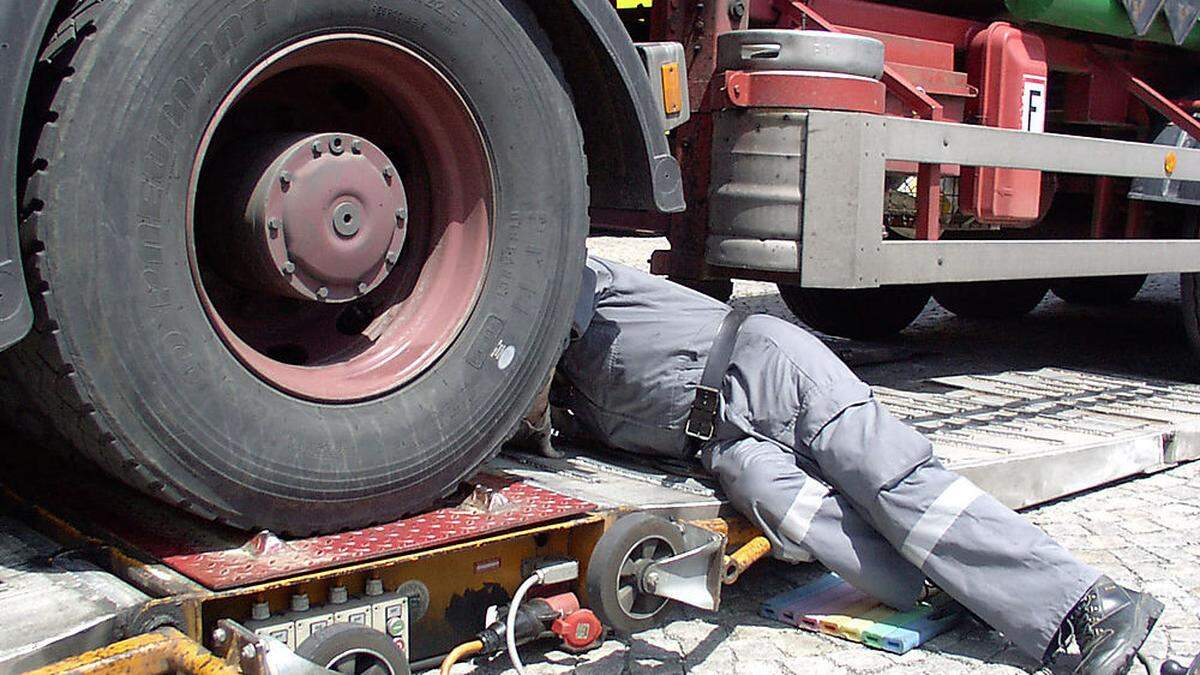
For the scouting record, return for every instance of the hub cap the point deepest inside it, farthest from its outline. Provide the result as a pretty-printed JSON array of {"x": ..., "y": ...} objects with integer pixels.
[
  {"x": 326, "y": 224},
  {"x": 341, "y": 217}
]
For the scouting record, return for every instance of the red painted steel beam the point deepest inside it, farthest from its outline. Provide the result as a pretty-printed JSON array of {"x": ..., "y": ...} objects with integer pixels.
[
  {"x": 1149, "y": 95},
  {"x": 929, "y": 176},
  {"x": 798, "y": 14},
  {"x": 889, "y": 19},
  {"x": 784, "y": 89}
]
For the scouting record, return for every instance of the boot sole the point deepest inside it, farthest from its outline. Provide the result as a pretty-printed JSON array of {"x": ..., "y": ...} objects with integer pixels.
[{"x": 1151, "y": 608}]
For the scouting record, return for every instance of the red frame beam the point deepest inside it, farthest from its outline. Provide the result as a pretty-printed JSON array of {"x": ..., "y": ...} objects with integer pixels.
[
  {"x": 929, "y": 176},
  {"x": 1149, "y": 95}
]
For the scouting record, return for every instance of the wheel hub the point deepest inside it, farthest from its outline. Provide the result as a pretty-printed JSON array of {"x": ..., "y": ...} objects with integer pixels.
[
  {"x": 329, "y": 216},
  {"x": 290, "y": 230}
]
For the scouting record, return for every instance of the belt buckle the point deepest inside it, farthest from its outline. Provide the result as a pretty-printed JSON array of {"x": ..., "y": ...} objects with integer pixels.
[{"x": 701, "y": 423}]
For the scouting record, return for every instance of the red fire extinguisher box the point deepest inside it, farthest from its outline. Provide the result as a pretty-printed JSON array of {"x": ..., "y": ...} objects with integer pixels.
[{"x": 1008, "y": 67}]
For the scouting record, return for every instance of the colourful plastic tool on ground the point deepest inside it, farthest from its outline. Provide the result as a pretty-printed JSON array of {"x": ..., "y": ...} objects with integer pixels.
[{"x": 830, "y": 605}]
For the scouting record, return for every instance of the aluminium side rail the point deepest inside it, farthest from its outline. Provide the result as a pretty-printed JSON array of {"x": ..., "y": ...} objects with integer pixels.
[{"x": 842, "y": 242}]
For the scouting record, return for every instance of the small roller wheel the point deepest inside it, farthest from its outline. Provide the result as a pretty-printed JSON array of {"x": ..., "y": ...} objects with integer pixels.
[
  {"x": 991, "y": 299},
  {"x": 1099, "y": 290},
  {"x": 351, "y": 649},
  {"x": 614, "y": 580}
]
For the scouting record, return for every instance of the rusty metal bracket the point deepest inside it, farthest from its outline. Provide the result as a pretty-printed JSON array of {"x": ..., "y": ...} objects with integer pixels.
[
  {"x": 740, "y": 560},
  {"x": 162, "y": 651}
]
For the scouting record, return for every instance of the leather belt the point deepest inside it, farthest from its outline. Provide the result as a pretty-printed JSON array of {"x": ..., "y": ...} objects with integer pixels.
[{"x": 702, "y": 419}]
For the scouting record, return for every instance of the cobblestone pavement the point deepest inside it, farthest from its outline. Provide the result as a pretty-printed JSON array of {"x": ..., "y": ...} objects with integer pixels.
[{"x": 1143, "y": 532}]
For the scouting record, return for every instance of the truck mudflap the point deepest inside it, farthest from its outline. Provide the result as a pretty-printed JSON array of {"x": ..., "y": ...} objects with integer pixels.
[{"x": 22, "y": 25}]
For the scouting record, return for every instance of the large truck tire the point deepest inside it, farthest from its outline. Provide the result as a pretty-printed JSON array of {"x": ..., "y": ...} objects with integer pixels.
[
  {"x": 1099, "y": 291},
  {"x": 860, "y": 313},
  {"x": 991, "y": 299},
  {"x": 1189, "y": 306},
  {"x": 300, "y": 267}
]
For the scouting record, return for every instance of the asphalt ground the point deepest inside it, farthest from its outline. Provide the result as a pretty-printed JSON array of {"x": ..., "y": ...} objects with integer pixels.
[{"x": 1143, "y": 532}]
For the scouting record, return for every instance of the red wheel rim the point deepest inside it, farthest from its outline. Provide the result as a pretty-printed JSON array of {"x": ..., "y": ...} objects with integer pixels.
[{"x": 335, "y": 274}]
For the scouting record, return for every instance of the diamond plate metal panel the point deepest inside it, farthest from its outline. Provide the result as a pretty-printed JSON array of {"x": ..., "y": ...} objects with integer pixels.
[{"x": 210, "y": 558}]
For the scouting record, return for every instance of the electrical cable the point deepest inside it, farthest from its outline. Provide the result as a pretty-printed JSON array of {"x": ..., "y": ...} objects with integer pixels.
[
  {"x": 462, "y": 651},
  {"x": 510, "y": 624}
]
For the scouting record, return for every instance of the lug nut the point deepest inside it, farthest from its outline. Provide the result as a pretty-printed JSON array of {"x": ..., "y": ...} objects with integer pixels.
[
  {"x": 322, "y": 292},
  {"x": 392, "y": 257},
  {"x": 285, "y": 179},
  {"x": 356, "y": 146},
  {"x": 388, "y": 172},
  {"x": 362, "y": 288},
  {"x": 316, "y": 147},
  {"x": 289, "y": 267},
  {"x": 401, "y": 213},
  {"x": 273, "y": 224},
  {"x": 335, "y": 145}
]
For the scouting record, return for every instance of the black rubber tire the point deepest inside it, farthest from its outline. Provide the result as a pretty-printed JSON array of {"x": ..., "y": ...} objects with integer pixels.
[
  {"x": 1099, "y": 291},
  {"x": 717, "y": 289},
  {"x": 862, "y": 314},
  {"x": 991, "y": 299},
  {"x": 332, "y": 644},
  {"x": 123, "y": 360},
  {"x": 610, "y": 553},
  {"x": 1189, "y": 306}
]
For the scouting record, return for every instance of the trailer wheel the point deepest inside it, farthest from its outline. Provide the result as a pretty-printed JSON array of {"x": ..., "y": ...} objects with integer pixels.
[
  {"x": 1099, "y": 290},
  {"x": 304, "y": 269},
  {"x": 861, "y": 313},
  {"x": 355, "y": 650},
  {"x": 614, "y": 576},
  {"x": 991, "y": 299}
]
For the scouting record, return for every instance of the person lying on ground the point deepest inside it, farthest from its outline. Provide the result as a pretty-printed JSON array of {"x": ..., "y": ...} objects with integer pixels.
[{"x": 803, "y": 450}]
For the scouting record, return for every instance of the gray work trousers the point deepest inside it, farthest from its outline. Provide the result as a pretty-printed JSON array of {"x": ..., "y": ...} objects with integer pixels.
[{"x": 807, "y": 453}]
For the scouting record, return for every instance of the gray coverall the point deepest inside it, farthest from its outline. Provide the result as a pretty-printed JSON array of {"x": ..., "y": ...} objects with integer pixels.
[{"x": 804, "y": 450}]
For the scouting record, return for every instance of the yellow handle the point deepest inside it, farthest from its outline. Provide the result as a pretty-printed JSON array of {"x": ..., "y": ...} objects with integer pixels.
[{"x": 740, "y": 560}]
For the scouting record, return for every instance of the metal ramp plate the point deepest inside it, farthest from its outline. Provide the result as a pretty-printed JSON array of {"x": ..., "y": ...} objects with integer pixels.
[
  {"x": 1026, "y": 437},
  {"x": 1032, "y": 436},
  {"x": 54, "y": 604}
]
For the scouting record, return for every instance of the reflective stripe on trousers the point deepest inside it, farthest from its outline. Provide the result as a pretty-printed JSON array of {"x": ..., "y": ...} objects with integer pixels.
[
  {"x": 932, "y": 525},
  {"x": 987, "y": 557}
]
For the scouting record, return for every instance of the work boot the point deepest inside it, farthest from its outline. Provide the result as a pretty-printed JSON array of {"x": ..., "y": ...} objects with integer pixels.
[{"x": 1110, "y": 623}]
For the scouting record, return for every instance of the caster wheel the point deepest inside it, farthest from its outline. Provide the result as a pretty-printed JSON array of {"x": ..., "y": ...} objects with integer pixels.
[
  {"x": 614, "y": 579},
  {"x": 351, "y": 649}
]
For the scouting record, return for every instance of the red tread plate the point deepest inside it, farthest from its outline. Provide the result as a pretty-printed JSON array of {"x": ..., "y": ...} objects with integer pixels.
[{"x": 265, "y": 558}]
